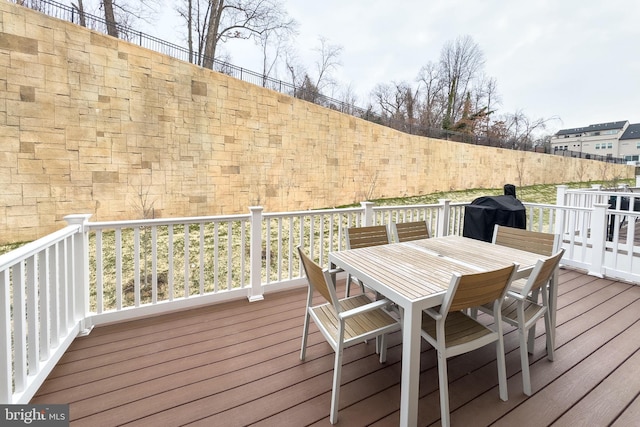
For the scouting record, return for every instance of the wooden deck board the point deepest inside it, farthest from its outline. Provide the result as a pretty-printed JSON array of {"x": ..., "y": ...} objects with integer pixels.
[{"x": 237, "y": 364}]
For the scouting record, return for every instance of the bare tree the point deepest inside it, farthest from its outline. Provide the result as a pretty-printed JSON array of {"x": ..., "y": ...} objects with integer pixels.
[
  {"x": 309, "y": 86},
  {"x": 460, "y": 62},
  {"x": 294, "y": 67},
  {"x": 273, "y": 44},
  {"x": 120, "y": 15},
  {"x": 432, "y": 105},
  {"x": 486, "y": 98},
  {"x": 79, "y": 6},
  {"x": 328, "y": 61},
  {"x": 220, "y": 20},
  {"x": 521, "y": 129},
  {"x": 393, "y": 100},
  {"x": 349, "y": 100}
]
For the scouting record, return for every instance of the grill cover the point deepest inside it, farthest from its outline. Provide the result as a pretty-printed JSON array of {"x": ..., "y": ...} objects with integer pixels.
[{"x": 484, "y": 213}]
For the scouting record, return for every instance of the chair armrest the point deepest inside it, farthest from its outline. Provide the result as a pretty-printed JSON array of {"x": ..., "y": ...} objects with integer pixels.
[
  {"x": 364, "y": 308},
  {"x": 516, "y": 295},
  {"x": 335, "y": 270},
  {"x": 523, "y": 273},
  {"x": 432, "y": 313}
]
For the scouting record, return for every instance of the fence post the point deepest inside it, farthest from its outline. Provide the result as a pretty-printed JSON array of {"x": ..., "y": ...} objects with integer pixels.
[
  {"x": 80, "y": 273},
  {"x": 6, "y": 357},
  {"x": 598, "y": 228},
  {"x": 561, "y": 200},
  {"x": 443, "y": 218},
  {"x": 367, "y": 215},
  {"x": 255, "y": 254}
]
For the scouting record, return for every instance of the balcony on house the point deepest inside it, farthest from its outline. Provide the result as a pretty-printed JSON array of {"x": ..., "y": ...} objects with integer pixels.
[{"x": 198, "y": 321}]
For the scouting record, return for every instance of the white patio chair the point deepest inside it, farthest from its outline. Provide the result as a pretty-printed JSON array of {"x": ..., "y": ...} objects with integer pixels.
[
  {"x": 343, "y": 322},
  {"x": 522, "y": 310},
  {"x": 545, "y": 244},
  {"x": 452, "y": 332}
]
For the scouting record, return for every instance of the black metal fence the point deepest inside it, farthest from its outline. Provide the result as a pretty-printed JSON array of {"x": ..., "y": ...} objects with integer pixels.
[
  {"x": 588, "y": 156},
  {"x": 71, "y": 14}
]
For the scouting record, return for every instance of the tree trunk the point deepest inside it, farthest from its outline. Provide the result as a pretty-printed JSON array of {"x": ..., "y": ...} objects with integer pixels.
[
  {"x": 211, "y": 39},
  {"x": 112, "y": 28},
  {"x": 190, "y": 29},
  {"x": 80, "y": 8}
]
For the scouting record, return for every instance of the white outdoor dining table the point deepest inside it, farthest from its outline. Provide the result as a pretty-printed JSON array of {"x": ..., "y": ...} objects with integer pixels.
[{"x": 415, "y": 275}]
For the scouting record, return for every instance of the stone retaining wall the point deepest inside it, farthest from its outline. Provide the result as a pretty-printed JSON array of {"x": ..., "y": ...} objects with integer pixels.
[{"x": 93, "y": 124}]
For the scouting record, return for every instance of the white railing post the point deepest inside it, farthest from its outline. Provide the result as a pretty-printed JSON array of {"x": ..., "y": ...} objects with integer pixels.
[
  {"x": 6, "y": 361},
  {"x": 561, "y": 194},
  {"x": 443, "y": 218},
  {"x": 561, "y": 201},
  {"x": 598, "y": 229},
  {"x": 367, "y": 215},
  {"x": 255, "y": 254},
  {"x": 80, "y": 275}
]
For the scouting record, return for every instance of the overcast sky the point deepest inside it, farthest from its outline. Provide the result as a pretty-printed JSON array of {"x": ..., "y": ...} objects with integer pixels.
[{"x": 572, "y": 59}]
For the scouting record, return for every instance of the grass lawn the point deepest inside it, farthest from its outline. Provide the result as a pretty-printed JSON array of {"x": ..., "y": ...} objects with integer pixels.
[{"x": 530, "y": 194}]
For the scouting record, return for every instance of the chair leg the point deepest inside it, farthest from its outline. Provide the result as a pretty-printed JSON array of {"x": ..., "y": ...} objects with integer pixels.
[
  {"x": 524, "y": 361},
  {"x": 531, "y": 338},
  {"x": 550, "y": 334},
  {"x": 502, "y": 367},
  {"x": 305, "y": 332},
  {"x": 443, "y": 382},
  {"x": 335, "y": 393},
  {"x": 347, "y": 291},
  {"x": 381, "y": 340},
  {"x": 535, "y": 296}
]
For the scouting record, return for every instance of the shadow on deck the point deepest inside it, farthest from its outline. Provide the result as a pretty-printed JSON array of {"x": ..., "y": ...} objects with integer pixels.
[{"x": 237, "y": 364}]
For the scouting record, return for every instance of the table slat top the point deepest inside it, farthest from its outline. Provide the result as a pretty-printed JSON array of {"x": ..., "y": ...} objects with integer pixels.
[{"x": 422, "y": 269}]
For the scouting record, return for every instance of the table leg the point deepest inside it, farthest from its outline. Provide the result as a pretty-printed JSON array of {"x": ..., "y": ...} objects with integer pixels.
[{"x": 409, "y": 393}]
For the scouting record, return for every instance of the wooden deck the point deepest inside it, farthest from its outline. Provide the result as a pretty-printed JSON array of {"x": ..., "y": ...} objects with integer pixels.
[{"x": 237, "y": 364}]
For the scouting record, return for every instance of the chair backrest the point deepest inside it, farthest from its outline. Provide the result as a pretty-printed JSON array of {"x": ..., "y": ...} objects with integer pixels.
[
  {"x": 532, "y": 241},
  {"x": 406, "y": 231},
  {"x": 361, "y": 237},
  {"x": 317, "y": 278},
  {"x": 542, "y": 272},
  {"x": 475, "y": 289}
]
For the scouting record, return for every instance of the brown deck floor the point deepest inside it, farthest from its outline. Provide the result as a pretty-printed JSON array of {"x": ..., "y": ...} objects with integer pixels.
[{"x": 237, "y": 364}]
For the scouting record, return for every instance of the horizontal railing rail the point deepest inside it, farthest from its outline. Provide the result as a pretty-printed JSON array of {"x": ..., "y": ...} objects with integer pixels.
[{"x": 91, "y": 273}]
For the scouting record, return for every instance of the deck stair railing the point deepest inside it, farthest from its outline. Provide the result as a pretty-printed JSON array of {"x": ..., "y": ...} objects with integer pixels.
[{"x": 91, "y": 273}]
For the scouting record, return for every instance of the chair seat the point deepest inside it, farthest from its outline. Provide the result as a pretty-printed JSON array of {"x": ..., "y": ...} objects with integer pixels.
[
  {"x": 510, "y": 310},
  {"x": 358, "y": 326},
  {"x": 459, "y": 329}
]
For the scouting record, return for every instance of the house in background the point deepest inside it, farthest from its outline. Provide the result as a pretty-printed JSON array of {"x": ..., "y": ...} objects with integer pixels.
[
  {"x": 629, "y": 143},
  {"x": 613, "y": 140}
]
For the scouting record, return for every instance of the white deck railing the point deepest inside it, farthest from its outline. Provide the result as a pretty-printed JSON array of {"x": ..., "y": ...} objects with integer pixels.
[{"x": 92, "y": 273}]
